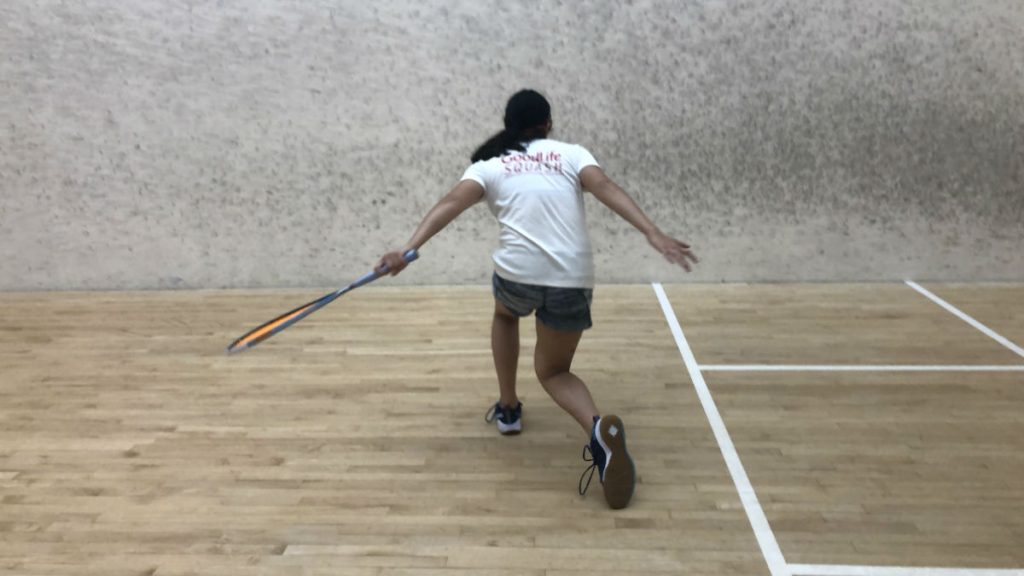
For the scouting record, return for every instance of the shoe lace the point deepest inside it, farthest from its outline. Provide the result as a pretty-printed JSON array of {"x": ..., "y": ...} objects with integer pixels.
[
  {"x": 492, "y": 413},
  {"x": 588, "y": 456}
]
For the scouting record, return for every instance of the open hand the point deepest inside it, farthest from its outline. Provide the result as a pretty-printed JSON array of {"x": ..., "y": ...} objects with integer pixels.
[{"x": 673, "y": 250}]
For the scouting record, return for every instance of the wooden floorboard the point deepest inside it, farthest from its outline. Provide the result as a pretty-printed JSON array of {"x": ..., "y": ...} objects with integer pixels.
[
  {"x": 354, "y": 442},
  {"x": 884, "y": 469},
  {"x": 1000, "y": 307},
  {"x": 828, "y": 324}
]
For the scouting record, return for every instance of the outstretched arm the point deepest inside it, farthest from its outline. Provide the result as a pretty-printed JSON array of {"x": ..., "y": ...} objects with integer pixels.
[
  {"x": 461, "y": 197},
  {"x": 611, "y": 195}
]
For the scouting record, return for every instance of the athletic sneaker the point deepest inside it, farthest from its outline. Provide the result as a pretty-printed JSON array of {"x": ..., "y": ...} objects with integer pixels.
[
  {"x": 607, "y": 451},
  {"x": 509, "y": 420}
]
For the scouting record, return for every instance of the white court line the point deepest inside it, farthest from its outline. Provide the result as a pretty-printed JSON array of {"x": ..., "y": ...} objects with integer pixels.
[
  {"x": 834, "y": 570},
  {"x": 859, "y": 368},
  {"x": 956, "y": 312},
  {"x": 762, "y": 531}
]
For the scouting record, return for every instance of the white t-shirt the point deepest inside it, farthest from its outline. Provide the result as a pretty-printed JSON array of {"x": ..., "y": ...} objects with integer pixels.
[{"x": 537, "y": 199}]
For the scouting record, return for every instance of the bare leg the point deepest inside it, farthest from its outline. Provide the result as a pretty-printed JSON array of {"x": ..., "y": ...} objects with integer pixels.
[
  {"x": 552, "y": 360},
  {"x": 505, "y": 348}
]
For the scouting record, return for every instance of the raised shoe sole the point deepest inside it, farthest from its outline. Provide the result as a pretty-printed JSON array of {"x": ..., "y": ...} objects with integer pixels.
[{"x": 619, "y": 471}]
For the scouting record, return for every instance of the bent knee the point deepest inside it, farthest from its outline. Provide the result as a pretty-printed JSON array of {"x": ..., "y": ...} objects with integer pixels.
[{"x": 547, "y": 371}]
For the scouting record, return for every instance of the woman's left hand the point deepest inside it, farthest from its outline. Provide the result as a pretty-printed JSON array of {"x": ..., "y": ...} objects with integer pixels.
[{"x": 673, "y": 250}]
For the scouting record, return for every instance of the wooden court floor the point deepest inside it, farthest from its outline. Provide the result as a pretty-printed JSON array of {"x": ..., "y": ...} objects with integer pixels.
[{"x": 863, "y": 430}]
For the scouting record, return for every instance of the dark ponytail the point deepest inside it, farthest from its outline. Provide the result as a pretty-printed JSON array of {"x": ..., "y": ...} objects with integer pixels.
[
  {"x": 526, "y": 116},
  {"x": 497, "y": 145}
]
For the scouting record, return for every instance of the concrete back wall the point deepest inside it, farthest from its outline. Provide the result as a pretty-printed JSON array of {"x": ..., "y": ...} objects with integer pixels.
[{"x": 272, "y": 143}]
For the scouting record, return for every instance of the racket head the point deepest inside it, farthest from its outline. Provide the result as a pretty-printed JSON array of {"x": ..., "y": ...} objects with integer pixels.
[{"x": 268, "y": 329}]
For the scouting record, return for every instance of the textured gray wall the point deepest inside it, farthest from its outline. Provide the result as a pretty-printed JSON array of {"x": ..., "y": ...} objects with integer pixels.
[{"x": 191, "y": 143}]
